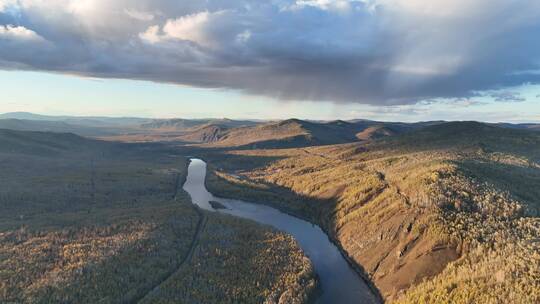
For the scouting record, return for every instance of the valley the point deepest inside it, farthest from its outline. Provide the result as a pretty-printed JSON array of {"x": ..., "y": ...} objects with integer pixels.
[
  {"x": 428, "y": 216},
  {"x": 269, "y": 152},
  {"x": 96, "y": 221},
  {"x": 422, "y": 213}
]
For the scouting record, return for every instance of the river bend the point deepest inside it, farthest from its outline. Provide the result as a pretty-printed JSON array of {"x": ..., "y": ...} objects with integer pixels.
[{"x": 339, "y": 282}]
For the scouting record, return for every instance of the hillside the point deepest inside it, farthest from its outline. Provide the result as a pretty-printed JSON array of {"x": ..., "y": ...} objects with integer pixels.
[
  {"x": 46, "y": 143},
  {"x": 446, "y": 214},
  {"x": 206, "y": 133},
  {"x": 299, "y": 133},
  {"x": 523, "y": 126},
  {"x": 180, "y": 130},
  {"x": 86, "y": 221},
  {"x": 54, "y": 126},
  {"x": 376, "y": 132},
  {"x": 175, "y": 125}
]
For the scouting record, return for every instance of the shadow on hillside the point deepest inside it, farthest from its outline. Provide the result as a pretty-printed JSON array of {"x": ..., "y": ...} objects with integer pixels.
[
  {"x": 286, "y": 143},
  {"x": 223, "y": 159},
  {"x": 279, "y": 197}
]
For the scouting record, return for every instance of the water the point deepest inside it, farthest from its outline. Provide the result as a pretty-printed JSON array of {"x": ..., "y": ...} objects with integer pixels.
[{"x": 339, "y": 282}]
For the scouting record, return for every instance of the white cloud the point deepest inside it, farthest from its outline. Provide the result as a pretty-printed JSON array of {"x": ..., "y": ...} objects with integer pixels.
[
  {"x": 18, "y": 33},
  {"x": 367, "y": 51},
  {"x": 139, "y": 15},
  {"x": 190, "y": 27},
  {"x": 4, "y": 4},
  {"x": 151, "y": 35},
  {"x": 337, "y": 5},
  {"x": 433, "y": 8}
]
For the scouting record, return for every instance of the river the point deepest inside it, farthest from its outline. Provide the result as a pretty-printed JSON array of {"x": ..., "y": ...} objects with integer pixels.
[{"x": 339, "y": 282}]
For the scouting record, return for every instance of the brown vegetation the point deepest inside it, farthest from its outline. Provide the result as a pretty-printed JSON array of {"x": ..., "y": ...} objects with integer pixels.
[
  {"x": 236, "y": 261},
  {"x": 375, "y": 132},
  {"x": 445, "y": 214},
  {"x": 295, "y": 133},
  {"x": 282, "y": 134}
]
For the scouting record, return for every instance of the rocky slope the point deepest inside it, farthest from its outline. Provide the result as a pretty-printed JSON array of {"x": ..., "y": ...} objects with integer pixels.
[{"x": 449, "y": 213}]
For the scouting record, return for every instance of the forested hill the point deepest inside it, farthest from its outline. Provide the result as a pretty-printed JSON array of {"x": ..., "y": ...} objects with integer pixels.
[{"x": 448, "y": 213}]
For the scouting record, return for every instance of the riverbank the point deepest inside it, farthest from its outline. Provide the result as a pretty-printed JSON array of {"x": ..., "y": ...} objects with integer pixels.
[
  {"x": 415, "y": 211},
  {"x": 326, "y": 257},
  {"x": 221, "y": 188}
]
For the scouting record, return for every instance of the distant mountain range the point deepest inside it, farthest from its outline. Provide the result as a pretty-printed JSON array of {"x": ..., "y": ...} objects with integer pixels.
[
  {"x": 45, "y": 143},
  {"x": 294, "y": 133},
  {"x": 94, "y": 121},
  {"x": 221, "y": 132},
  {"x": 184, "y": 124},
  {"x": 524, "y": 126}
]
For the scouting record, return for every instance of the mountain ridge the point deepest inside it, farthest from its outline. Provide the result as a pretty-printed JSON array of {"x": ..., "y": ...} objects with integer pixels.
[{"x": 429, "y": 215}]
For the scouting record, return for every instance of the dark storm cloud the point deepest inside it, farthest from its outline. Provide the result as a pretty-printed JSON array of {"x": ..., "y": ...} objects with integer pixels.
[{"x": 387, "y": 52}]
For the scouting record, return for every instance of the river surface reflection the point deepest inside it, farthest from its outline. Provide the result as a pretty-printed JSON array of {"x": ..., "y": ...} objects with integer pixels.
[{"x": 339, "y": 282}]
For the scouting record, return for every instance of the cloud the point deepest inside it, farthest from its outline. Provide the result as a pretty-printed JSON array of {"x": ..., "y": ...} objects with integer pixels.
[
  {"x": 243, "y": 37},
  {"x": 5, "y": 4},
  {"x": 454, "y": 102},
  {"x": 336, "y": 5},
  {"x": 151, "y": 35},
  {"x": 193, "y": 28},
  {"x": 139, "y": 15},
  {"x": 379, "y": 52},
  {"x": 190, "y": 28},
  {"x": 507, "y": 96},
  {"x": 20, "y": 33}
]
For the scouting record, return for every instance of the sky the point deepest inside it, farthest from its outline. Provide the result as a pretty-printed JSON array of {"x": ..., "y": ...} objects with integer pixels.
[{"x": 406, "y": 60}]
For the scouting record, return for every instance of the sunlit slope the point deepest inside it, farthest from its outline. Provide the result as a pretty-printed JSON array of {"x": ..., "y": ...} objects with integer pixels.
[
  {"x": 179, "y": 124},
  {"x": 448, "y": 213},
  {"x": 300, "y": 133}
]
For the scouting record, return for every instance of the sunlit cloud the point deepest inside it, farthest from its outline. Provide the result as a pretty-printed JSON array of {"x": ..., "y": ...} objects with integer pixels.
[
  {"x": 378, "y": 52},
  {"x": 13, "y": 32}
]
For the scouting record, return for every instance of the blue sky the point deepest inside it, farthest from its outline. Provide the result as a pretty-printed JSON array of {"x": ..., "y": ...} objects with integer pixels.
[
  {"x": 58, "y": 94},
  {"x": 405, "y": 60}
]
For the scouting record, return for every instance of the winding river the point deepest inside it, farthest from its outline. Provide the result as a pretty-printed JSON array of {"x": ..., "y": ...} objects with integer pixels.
[{"x": 339, "y": 282}]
